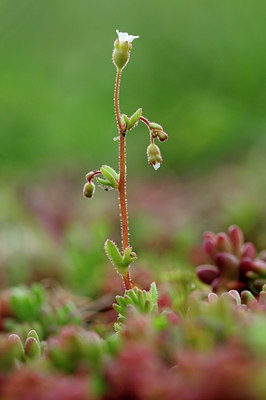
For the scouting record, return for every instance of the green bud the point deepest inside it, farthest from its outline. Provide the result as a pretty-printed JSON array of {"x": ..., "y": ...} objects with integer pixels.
[
  {"x": 122, "y": 47},
  {"x": 154, "y": 156},
  {"x": 111, "y": 175},
  {"x": 88, "y": 190},
  {"x": 155, "y": 126},
  {"x": 121, "y": 53},
  {"x": 162, "y": 136}
]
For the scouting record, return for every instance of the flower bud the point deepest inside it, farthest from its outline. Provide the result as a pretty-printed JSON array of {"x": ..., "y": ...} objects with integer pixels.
[
  {"x": 122, "y": 47},
  {"x": 155, "y": 126},
  {"x": 88, "y": 190},
  {"x": 162, "y": 136},
  {"x": 154, "y": 156},
  {"x": 89, "y": 175}
]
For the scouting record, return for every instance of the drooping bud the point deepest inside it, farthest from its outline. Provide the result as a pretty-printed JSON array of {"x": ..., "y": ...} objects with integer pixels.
[
  {"x": 88, "y": 190},
  {"x": 122, "y": 47},
  {"x": 162, "y": 136},
  {"x": 155, "y": 126},
  {"x": 157, "y": 131},
  {"x": 89, "y": 175},
  {"x": 154, "y": 156}
]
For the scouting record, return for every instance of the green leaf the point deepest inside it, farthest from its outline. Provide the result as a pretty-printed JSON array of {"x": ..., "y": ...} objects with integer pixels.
[
  {"x": 134, "y": 119},
  {"x": 120, "y": 262},
  {"x": 104, "y": 182},
  {"x": 110, "y": 175},
  {"x": 115, "y": 257}
]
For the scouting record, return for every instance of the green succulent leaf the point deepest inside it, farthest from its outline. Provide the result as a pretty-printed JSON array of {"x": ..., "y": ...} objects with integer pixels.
[{"x": 141, "y": 300}]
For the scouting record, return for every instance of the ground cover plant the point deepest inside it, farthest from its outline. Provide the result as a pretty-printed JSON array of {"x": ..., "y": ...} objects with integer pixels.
[{"x": 189, "y": 332}]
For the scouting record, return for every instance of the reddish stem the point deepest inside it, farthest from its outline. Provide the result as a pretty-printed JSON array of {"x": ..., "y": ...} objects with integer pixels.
[
  {"x": 122, "y": 181},
  {"x": 127, "y": 281},
  {"x": 147, "y": 122},
  {"x": 94, "y": 174}
]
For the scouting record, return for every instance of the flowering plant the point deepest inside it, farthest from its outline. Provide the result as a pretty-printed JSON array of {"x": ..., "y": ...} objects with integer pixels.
[{"x": 108, "y": 177}]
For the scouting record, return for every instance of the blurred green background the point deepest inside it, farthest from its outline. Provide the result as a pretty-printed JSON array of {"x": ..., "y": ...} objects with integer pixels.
[{"x": 198, "y": 69}]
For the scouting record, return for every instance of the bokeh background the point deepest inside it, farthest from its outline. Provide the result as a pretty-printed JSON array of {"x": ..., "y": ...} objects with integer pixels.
[{"x": 198, "y": 69}]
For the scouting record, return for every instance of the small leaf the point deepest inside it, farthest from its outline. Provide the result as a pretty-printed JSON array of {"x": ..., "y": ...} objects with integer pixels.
[
  {"x": 115, "y": 257},
  {"x": 154, "y": 293},
  {"x": 111, "y": 175},
  {"x": 134, "y": 119},
  {"x": 104, "y": 182}
]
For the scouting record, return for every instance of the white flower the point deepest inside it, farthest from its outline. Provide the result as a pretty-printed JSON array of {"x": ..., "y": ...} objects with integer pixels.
[{"x": 125, "y": 37}]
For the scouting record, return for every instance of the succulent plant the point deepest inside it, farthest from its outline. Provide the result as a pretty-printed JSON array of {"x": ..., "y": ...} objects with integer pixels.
[{"x": 232, "y": 263}]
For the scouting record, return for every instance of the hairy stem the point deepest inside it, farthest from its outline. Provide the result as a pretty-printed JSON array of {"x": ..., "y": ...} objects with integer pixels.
[
  {"x": 147, "y": 122},
  {"x": 122, "y": 181}
]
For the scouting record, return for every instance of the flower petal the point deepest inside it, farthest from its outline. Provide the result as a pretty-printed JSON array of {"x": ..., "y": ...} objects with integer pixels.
[{"x": 125, "y": 37}]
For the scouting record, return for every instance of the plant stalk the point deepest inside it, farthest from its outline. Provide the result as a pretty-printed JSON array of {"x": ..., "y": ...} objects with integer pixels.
[{"x": 122, "y": 181}]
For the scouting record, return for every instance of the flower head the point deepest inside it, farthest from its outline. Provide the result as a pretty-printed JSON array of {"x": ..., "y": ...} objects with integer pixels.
[
  {"x": 154, "y": 156},
  {"x": 125, "y": 37},
  {"x": 122, "y": 47}
]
